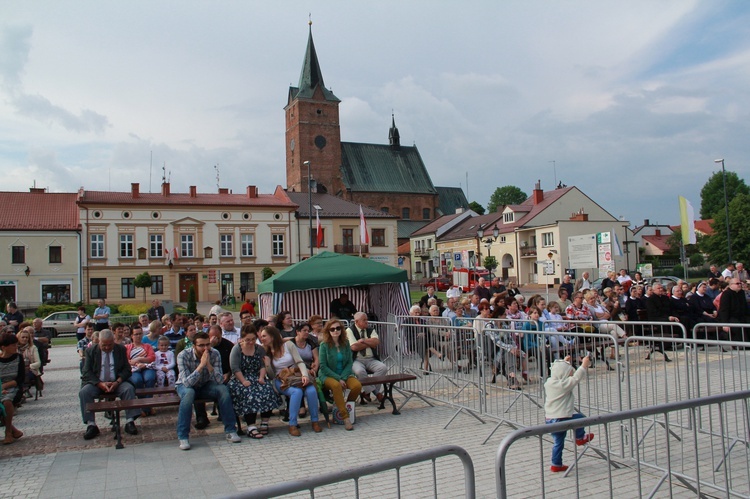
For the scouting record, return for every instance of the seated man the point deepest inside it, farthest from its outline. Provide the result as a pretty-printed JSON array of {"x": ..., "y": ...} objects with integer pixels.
[
  {"x": 343, "y": 308},
  {"x": 106, "y": 369},
  {"x": 364, "y": 342},
  {"x": 201, "y": 378}
]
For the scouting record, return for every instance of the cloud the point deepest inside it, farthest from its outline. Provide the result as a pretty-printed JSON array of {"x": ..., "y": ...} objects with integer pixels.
[
  {"x": 15, "y": 44},
  {"x": 41, "y": 109}
]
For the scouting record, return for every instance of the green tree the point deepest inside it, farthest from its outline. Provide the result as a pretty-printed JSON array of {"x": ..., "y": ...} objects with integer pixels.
[
  {"x": 267, "y": 273},
  {"x": 712, "y": 194},
  {"x": 143, "y": 281},
  {"x": 715, "y": 246},
  {"x": 490, "y": 263},
  {"x": 476, "y": 208},
  {"x": 192, "y": 306},
  {"x": 673, "y": 241},
  {"x": 509, "y": 194}
]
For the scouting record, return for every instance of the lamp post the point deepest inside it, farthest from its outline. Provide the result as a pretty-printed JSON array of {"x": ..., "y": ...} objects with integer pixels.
[
  {"x": 726, "y": 208},
  {"x": 309, "y": 197},
  {"x": 488, "y": 242}
]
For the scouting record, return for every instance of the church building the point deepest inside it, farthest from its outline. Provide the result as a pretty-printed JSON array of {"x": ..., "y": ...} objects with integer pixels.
[{"x": 387, "y": 177}]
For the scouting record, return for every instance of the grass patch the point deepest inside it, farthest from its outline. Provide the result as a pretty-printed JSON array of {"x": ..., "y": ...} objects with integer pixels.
[{"x": 68, "y": 340}]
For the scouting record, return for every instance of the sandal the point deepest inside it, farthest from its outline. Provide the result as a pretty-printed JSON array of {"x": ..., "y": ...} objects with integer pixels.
[
  {"x": 253, "y": 432},
  {"x": 264, "y": 428},
  {"x": 17, "y": 433}
]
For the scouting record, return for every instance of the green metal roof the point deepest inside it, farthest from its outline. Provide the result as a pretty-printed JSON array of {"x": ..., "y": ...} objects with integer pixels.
[
  {"x": 382, "y": 168},
  {"x": 450, "y": 199},
  {"x": 406, "y": 228},
  {"x": 311, "y": 76}
]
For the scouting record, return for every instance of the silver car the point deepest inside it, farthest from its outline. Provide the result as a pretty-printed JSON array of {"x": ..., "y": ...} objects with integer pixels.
[{"x": 61, "y": 323}]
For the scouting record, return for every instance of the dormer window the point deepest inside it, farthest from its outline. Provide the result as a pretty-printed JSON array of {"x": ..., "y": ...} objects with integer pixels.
[{"x": 508, "y": 217}]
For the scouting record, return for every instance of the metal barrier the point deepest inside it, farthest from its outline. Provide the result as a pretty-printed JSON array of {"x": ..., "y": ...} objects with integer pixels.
[
  {"x": 396, "y": 463},
  {"x": 672, "y": 455}
]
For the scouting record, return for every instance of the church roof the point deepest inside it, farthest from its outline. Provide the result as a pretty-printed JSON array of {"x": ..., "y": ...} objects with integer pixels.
[
  {"x": 311, "y": 76},
  {"x": 382, "y": 168},
  {"x": 450, "y": 199}
]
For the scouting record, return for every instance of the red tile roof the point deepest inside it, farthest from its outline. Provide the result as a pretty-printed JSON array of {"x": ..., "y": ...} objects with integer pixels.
[
  {"x": 658, "y": 242},
  {"x": 38, "y": 211},
  {"x": 702, "y": 226},
  {"x": 277, "y": 199}
]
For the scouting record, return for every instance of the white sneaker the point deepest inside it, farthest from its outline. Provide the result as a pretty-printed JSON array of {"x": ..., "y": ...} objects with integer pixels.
[
  {"x": 233, "y": 437},
  {"x": 184, "y": 445}
]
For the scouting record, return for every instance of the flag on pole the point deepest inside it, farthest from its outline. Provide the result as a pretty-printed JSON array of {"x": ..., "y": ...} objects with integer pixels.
[
  {"x": 175, "y": 253},
  {"x": 166, "y": 256},
  {"x": 319, "y": 228},
  {"x": 687, "y": 221},
  {"x": 616, "y": 248},
  {"x": 364, "y": 236}
]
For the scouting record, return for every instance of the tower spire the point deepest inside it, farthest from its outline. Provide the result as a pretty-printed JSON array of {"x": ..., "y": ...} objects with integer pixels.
[
  {"x": 311, "y": 77},
  {"x": 394, "y": 138}
]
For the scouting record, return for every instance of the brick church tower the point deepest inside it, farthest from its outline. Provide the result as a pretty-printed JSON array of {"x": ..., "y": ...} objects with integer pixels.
[{"x": 312, "y": 130}]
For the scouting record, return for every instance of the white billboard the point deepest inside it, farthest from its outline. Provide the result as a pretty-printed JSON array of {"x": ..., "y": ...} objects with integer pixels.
[{"x": 582, "y": 251}]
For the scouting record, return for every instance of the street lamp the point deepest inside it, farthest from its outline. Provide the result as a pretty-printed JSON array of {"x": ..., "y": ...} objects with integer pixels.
[
  {"x": 726, "y": 208},
  {"x": 488, "y": 242},
  {"x": 309, "y": 197}
]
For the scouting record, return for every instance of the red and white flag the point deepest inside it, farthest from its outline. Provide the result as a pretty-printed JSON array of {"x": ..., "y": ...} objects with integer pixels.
[
  {"x": 319, "y": 228},
  {"x": 364, "y": 236},
  {"x": 175, "y": 253},
  {"x": 166, "y": 256}
]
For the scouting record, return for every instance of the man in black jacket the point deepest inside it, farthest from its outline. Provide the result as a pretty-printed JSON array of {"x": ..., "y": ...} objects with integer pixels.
[
  {"x": 106, "y": 369},
  {"x": 733, "y": 309}
]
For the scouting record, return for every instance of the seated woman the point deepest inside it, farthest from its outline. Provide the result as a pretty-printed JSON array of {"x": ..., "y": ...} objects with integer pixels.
[
  {"x": 285, "y": 325},
  {"x": 280, "y": 355},
  {"x": 141, "y": 356},
  {"x": 32, "y": 363},
  {"x": 12, "y": 372},
  {"x": 316, "y": 326},
  {"x": 336, "y": 368},
  {"x": 250, "y": 391},
  {"x": 308, "y": 350}
]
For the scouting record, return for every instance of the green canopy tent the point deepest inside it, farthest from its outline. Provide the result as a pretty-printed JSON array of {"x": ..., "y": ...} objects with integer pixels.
[{"x": 308, "y": 287}]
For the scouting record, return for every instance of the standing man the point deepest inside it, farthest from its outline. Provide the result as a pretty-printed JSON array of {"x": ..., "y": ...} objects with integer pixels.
[
  {"x": 733, "y": 309},
  {"x": 106, "y": 370},
  {"x": 200, "y": 377},
  {"x": 228, "y": 331},
  {"x": 243, "y": 291},
  {"x": 364, "y": 343},
  {"x": 567, "y": 285},
  {"x": 430, "y": 294},
  {"x": 727, "y": 272},
  {"x": 156, "y": 311},
  {"x": 101, "y": 315}
]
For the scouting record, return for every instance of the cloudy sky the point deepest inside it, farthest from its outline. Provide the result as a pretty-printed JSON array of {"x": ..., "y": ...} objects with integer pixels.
[{"x": 631, "y": 100}]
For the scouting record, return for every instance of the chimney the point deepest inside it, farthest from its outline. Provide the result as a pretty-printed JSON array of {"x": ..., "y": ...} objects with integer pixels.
[
  {"x": 459, "y": 211},
  {"x": 646, "y": 222},
  {"x": 657, "y": 232},
  {"x": 538, "y": 192},
  {"x": 135, "y": 190},
  {"x": 37, "y": 190},
  {"x": 252, "y": 191},
  {"x": 223, "y": 190},
  {"x": 165, "y": 189},
  {"x": 579, "y": 216},
  {"x": 193, "y": 192}
]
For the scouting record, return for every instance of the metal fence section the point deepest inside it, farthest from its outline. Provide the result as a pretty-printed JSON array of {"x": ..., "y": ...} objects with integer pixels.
[
  {"x": 679, "y": 457},
  {"x": 441, "y": 477}
]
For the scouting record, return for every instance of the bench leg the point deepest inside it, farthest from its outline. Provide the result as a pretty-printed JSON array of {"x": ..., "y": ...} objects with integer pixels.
[
  {"x": 118, "y": 432},
  {"x": 388, "y": 395}
]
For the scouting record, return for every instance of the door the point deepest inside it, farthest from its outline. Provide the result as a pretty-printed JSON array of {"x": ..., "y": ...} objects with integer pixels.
[
  {"x": 347, "y": 235},
  {"x": 187, "y": 280}
]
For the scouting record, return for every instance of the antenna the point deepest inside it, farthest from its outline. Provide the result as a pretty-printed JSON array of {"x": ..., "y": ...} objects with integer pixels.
[
  {"x": 164, "y": 173},
  {"x": 218, "y": 177},
  {"x": 150, "y": 169}
]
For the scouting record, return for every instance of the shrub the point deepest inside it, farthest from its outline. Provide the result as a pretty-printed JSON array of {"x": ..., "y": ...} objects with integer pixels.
[
  {"x": 267, "y": 273},
  {"x": 45, "y": 310},
  {"x": 678, "y": 271},
  {"x": 192, "y": 306},
  {"x": 133, "y": 308}
]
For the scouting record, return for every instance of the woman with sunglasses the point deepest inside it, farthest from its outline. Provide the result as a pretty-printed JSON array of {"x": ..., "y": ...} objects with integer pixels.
[{"x": 336, "y": 368}]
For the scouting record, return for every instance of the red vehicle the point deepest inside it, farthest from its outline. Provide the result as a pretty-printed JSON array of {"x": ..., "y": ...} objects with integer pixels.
[
  {"x": 439, "y": 283},
  {"x": 467, "y": 279}
]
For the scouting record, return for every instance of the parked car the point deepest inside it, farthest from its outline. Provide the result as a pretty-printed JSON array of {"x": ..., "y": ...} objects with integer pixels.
[
  {"x": 439, "y": 283},
  {"x": 667, "y": 280},
  {"x": 60, "y": 323}
]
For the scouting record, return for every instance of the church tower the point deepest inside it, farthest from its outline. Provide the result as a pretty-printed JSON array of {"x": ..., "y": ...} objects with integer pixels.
[{"x": 312, "y": 130}]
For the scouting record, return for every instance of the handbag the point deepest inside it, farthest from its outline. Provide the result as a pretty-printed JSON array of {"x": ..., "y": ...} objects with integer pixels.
[{"x": 292, "y": 376}]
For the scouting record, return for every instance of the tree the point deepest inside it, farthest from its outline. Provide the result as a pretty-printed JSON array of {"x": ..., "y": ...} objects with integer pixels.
[
  {"x": 476, "y": 208},
  {"x": 712, "y": 194},
  {"x": 192, "y": 306},
  {"x": 143, "y": 281},
  {"x": 715, "y": 246},
  {"x": 510, "y": 194},
  {"x": 267, "y": 273},
  {"x": 490, "y": 263},
  {"x": 673, "y": 241}
]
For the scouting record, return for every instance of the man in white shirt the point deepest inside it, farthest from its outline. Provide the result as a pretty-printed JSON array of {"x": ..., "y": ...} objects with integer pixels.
[
  {"x": 453, "y": 292},
  {"x": 364, "y": 343},
  {"x": 727, "y": 273},
  {"x": 228, "y": 331}
]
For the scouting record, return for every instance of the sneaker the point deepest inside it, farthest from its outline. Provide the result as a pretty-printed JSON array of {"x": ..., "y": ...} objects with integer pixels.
[
  {"x": 233, "y": 437},
  {"x": 184, "y": 444},
  {"x": 558, "y": 469},
  {"x": 586, "y": 439}
]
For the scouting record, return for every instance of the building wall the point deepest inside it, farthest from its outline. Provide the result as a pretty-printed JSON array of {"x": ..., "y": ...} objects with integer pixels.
[
  {"x": 46, "y": 281},
  {"x": 207, "y": 266}
]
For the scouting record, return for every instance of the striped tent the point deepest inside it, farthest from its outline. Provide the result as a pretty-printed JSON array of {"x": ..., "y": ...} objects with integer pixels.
[{"x": 308, "y": 287}]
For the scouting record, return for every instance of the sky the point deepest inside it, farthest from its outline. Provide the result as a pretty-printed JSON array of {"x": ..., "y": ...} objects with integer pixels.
[{"x": 629, "y": 101}]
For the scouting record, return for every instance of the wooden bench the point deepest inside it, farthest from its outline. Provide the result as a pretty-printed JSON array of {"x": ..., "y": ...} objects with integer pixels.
[{"x": 388, "y": 381}]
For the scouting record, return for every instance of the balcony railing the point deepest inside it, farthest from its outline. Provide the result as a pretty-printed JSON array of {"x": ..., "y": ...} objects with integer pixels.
[
  {"x": 352, "y": 249},
  {"x": 528, "y": 251}
]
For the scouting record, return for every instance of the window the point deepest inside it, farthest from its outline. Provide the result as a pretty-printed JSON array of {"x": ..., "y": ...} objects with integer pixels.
[
  {"x": 548, "y": 239},
  {"x": 502, "y": 239},
  {"x": 156, "y": 245},
  {"x": 508, "y": 217},
  {"x": 126, "y": 245},
  {"x": 385, "y": 209},
  {"x": 247, "y": 279},
  {"x": 405, "y": 213},
  {"x": 227, "y": 245},
  {"x": 97, "y": 246},
  {"x": 128, "y": 287},
  {"x": 314, "y": 237},
  {"x": 277, "y": 241},
  {"x": 426, "y": 213},
  {"x": 378, "y": 237},
  {"x": 186, "y": 246},
  {"x": 55, "y": 254},
  {"x": 19, "y": 254},
  {"x": 55, "y": 293},
  {"x": 157, "y": 285},
  {"x": 246, "y": 243},
  {"x": 98, "y": 288},
  {"x": 418, "y": 267}
]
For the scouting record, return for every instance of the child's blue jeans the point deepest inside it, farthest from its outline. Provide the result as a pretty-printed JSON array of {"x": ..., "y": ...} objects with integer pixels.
[{"x": 559, "y": 437}]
